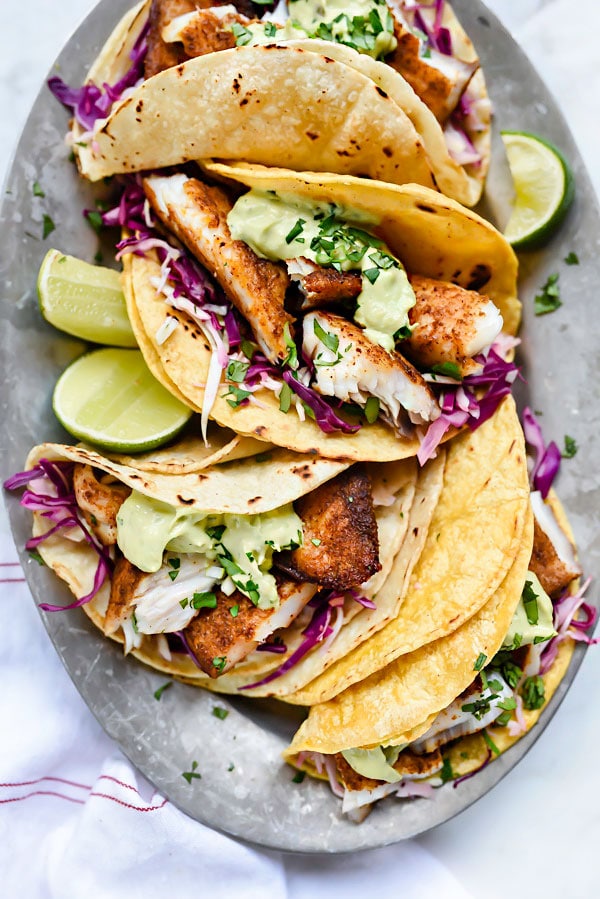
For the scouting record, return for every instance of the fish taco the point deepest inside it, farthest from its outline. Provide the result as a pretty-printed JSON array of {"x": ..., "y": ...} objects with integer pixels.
[
  {"x": 422, "y": 115},
  {"x": 446, "y": 710},
  {"x": 325, "y": 314}
]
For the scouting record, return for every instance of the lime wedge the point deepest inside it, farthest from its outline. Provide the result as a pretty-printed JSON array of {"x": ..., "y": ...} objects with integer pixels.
[
  {"x": 84, "y": 300},
  {"x": 544, "y": 188},
  {"x": 109, "y": 398}
]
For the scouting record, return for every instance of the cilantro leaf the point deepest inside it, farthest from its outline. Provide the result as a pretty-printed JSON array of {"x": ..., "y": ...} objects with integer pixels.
[
  {"x": 206, "y": 600},
  {"x": 219, "y": 662},
  {"x": 549, "y": 298},
  {"x": 372, "y": 409},
  {"x": 190, "y": 775},
  {"x": 570, "y": 447},
  {"x": 331, "y": 341},
  {"x": 530, "y": 603},
  {"x": 48, "y": 226},
  {"x": 219, "y": 712},
  {"x": 533, "y": 692},
  {"x": 447, "y": 370},
  {"x": 446, "y": 773},
  {"x": 480, "y": 661},
  {"x": 37, "y": 190},
  {"x": 572, "y": 258},
  {"x": 158, "y": 693},
  {"x": 298, "y": 777},
  {"x": 489, "y": 742}
]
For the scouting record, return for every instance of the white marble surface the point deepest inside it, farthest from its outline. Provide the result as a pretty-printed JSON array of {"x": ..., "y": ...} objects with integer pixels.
[{"x": 536, "y": 833}]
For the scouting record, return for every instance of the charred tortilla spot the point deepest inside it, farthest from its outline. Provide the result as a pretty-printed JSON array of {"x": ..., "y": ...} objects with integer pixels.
[
  {"x": 236, "y": 85},
  {"x": 387, "y": 151},
  {"x": 244, "y": 101},
  {"x": 425, "y": 208},
  {"x": 381, "y": 92},
  {"x": 254, "y": 499},
  {"x": 184, "y": 501},
  {"x": 311, "y": 135},
  {"x": 139, "y": 106},
  {"x": 479, "y": 277}
]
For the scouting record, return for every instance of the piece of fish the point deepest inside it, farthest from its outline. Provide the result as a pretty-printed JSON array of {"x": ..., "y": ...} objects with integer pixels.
[
  {"x": 159, "y": 598},
  {"x": 553, "y": 558},
  {"x": 197, "y": 214},
  {"x": 438, "y": 79},
  {"x": 165, "y": 53},
  {"x": 409, "y": 765},
  {"x": 360, "y": 369},
  {"x": 220, "y": 639},
  {"x": 340, "y": 548},
  {"x": 450, "y": 324},
  {"x": 99, "y": 502},
  {"x": 205, "y": 30},
  {"x": 323, "y": 287}
]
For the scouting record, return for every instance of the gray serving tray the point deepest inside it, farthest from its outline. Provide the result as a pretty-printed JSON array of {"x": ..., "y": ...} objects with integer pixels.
[{"x": 256, "y": 800}]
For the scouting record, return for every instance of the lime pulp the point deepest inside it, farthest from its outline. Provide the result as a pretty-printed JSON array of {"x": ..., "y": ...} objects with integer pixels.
[{"x": 110, "y": 399}]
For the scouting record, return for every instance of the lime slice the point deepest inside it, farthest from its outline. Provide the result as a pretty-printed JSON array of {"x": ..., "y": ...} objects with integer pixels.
[
  {"x": 84, "y": 300},
  {"x": 544, "y": 188},
  {"x": 110, "y": 398}
]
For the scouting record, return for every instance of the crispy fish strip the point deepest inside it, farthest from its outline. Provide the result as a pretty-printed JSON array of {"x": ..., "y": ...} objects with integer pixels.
[
  {"x": 365, "y": 369},
  {"x": 220, "y": 639},
  {"x": 99, "y": 502},
  {"x": 339, "y": 518},
  {"x": 205, "y": 30},
  {"x": 439, "y": 80},
  {"x": 197, "y": 214},
  {"x": 451, "y": 324}
]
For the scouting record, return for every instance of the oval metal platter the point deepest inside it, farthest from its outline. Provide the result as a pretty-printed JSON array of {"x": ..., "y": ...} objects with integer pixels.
[{"x": 245, "y": 789}]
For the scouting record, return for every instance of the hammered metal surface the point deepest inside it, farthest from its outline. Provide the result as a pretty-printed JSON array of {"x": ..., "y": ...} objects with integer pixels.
[{"x": 256, "y": 800}]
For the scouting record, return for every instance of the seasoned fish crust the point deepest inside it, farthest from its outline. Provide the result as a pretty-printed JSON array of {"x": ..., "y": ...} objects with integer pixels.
[
  {"x": 99, "y": 502},
  {"x": 327, "y": 285},
  {"x": 554, "y": 573},
  {"x": 408, "y": 764},
  {"x": 339, "y": 517},
  {"x": 197, "y": 215},
  {"x": 217, "y": 636},
  {"x": 451, "y": 324},
  {"x": 124, "y": 582}
]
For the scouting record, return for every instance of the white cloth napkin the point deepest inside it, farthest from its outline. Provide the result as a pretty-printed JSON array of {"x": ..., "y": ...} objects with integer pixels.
[{"x": 76, "y": 820}]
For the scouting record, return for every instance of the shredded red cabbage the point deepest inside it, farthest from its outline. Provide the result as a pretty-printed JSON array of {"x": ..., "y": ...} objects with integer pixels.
[
  {"x": 325, "y": 417},
  {"x": 547, "y": 458},
  {"x": 460, "y": 406},
  {"x": 62, "y": 510},
  {"x": 90, "y": 102},
  {"x": 567, "y": 625},
  {"x": 187, "y": 649},
  {"x": 272, "y": 647}
]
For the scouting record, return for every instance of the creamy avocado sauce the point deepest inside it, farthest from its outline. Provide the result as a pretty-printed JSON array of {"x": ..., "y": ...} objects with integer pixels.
[
  {"x": 375, "y": 763},
  {"x": 242, "y": 545},
  {"x": 533, "y": 618},
  {"x": 365, "y": 25},
  {"x": 280, "y": 228}
]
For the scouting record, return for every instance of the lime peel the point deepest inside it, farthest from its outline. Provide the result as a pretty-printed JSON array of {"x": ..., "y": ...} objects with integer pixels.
[{"x": 544, "y": 187}]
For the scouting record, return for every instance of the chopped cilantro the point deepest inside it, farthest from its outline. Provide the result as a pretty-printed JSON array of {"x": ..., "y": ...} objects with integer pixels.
[
  {"x": 190, "y": 775},
  {"x": 237, "y": 371},
  {"x": 285, "y": 397},
  {"x": 570, "y": 447},
  {"x": 549, "y": 298},
  {"x": 248, "y": 349},
  {"x": 37, "y": 190},
  {"x": 331, "y": 341},
  {"x": 239, "y": 396},
  {"x": 448, "y": 370},
  {"x": 158, "y": 693},
  {"x": 95, "y": 219},
  {"x": 480, "y": 661},
  {"x": 206, "y": 600},
  {"x": 372, "y": 409},
  {"x": 270, "y": 29},
  {"x": 242, "y": 35},
  {"x": 371, "y": 274},
  {"x": 35, "y": 555},
  {"x": 134, "y": 623},
  {"x": 403, "y": 333},
  {"x": 572, "y": 258},
  {"x": 298, "y": 777},
  {"x": 230, "y": 566},
  {"x": 478, "y": 708},
  {"x": 489, "y": 742},
  {"x": 292, "y": 355},
  {"x": 219, "y": 712},
  {"x": 530, "y": 603},
  {"x": 234, "y": 611},
  {"x": 315, "y": 541},
  {"x": 174, "y": 564},
  {"x": 231, "y": 765},
  {"x": 183, "y": 602},
  {"x": 508, "y": 705},
  {"x": 295, "y": 231},
  {"x": 533, "y": 692},
  {"x": 446, "y": 773},
  {"x": 48, "y": 226},
  {"x": 511, "y": 672},
  {"x": 219, "y": 662},
  {"x": 216, "y": 532}
]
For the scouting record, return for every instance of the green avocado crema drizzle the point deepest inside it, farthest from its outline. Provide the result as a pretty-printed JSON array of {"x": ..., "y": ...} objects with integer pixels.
[
  {"x": 242, "y": 545},
  {"x": 280, "y": 227},
  {"x": 365, "y": 25}
]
